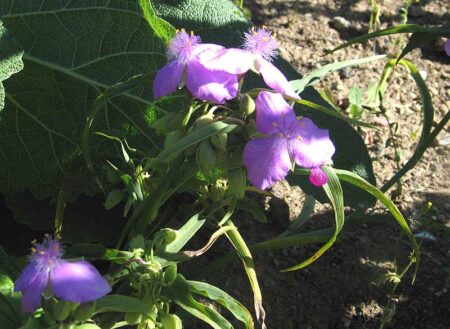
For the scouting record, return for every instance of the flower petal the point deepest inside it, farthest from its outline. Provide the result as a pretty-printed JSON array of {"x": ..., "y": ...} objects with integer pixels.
[
  {"x": 206, "y": 49},
  {"x": 310, "y": 145},
  {"x": 267, "y": 161},
  {"x": 207, "y": 85},
  {"x": 232, "y": 60},
  {"x": 27, "y": 276},
  {"x": 78, "y": 282},
  {"x": 318, "y": 177},
  {"x": 167, "y": 79},
  {"x": 274, "y": 78},
  {"x": 31, "y": 296},
  {"x": 273, "y": 114}
]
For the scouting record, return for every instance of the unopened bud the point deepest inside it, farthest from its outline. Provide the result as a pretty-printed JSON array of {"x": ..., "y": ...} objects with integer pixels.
[
  {"x": 237, "y": 182},
  {"x": 114, "y": 197},
  {"x": 169, "y": 122},
  {"x": 84, "y": 311},
  {"x": 170, "y": 273},
  {"x": 170, "y": 321},
  {"x": 204, "y": 120},
  {"x": 219, "y": 141},
  {"x": 60, "y": 309},
  {"x": 206, "y": 157},
  {"x": 247, "y": 104},
  {"x": 133, "y": 318},
  {"x": 169, "y": 234},
  {"x": 218, "y": 189}
]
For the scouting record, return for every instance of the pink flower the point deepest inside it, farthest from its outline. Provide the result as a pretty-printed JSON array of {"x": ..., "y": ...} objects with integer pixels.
[
  {"x": 184, "y": 53},
  {"x": 260, "y": 48},
  {"x": 76, "y": 282},
  {"x": 288, "y": 139}
]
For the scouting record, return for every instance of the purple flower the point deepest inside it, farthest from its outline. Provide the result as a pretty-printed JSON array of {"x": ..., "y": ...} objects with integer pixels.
[
  {"x": 260, "y": 48},
  {"x": 76, "y": 282},
  {"x": 447, "y": 47},
  {"x": 184, "y": 54},
  {"x": 288, "y": 139}
]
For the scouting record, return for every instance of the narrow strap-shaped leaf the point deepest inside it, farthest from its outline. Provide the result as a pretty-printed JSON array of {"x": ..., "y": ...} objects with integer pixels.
[
  {"x": 185, "y": 233},
  {"x": 307, "y": 210},
  {"x": 222, "y": 298},
  {"x": 119, "y": 303},
  {"x": 189, "y": 140},
  {"x": 333, "y": 189},
  {"x": 314, "y": 77},
  {"x": 179, "y": 293},
  {"x": 333, "y": 113},
  {"x": 404, "y": 28},
  {"x": 247, "y": 259},
  {"x": 354, "y": 179},
  {"x": 428, "y": 115}
]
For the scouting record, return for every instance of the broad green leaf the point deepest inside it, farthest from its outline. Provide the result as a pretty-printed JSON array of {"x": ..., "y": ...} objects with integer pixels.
[
  {"x": 74, "y": 51},
  {"x": 315, "y": 76},
  {"x": 161, "y": 28},
  {"x": 87, "y": 326},
  {"x": 404, "y": 28},
  {"x": 10, "y": 59},
  {"x": 223, "y": 299},
  {"x": 119, "y": 303},
  {"x": 427, "y": 123},
  {"x": 333, "y": 190},
  {"x": 179, "y": 293}
]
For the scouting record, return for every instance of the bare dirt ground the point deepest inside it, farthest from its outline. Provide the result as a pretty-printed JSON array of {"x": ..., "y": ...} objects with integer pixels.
[{"x": 339, "y": 290}]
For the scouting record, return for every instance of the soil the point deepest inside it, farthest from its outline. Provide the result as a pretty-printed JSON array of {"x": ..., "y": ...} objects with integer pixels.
[{"x": 340, "y": 289}]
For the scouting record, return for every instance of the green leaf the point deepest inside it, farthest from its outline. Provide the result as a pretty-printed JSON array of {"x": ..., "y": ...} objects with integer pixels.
[
  {"x": 123, "y": 304},
  {"x": 419, "y": 39},
  {"x": 189, "y": 140},
  {"x": 428, "y": 116},
  {"x": 404, "y": 28},
  {"x": 87, "y": 326},
  {"x": 185, "y": 233},
  {"x": 334, "y": 192},
  {"x": 179, "y": 293},
  {"x": 247, "y": 260},
  {"x": 74, "y": 51},
  {"x": 10, "y": 59},
  {"x": 161, "y": 28},
  {"x": 253, "y": 209},
  {"x": 223, "y": 299},
  {"x": 353, "y": 179},
  {"x": 315, "y": 76}
]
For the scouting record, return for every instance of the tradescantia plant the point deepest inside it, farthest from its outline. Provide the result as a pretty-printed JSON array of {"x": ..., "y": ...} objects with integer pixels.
[{"x": 107, "y": 97}]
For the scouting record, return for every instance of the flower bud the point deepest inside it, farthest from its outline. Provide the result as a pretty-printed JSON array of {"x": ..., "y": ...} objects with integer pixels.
[
  {"x": 170, "y": 273},
  {"x": 170, "y": 321},
  {"x": 114, "y": 197},
  {"x": 133, "y": 318},
  {"x": 84, "y": 311},
  {"x": 206, "y": 157},
  {"x": 237, "y": 182},
  {"x": 168, "y": 122},
  {"x": 247, "y": 104},
  {"x": 218, "y": 189},
  {"x": 219, "y": 141},
  {"x": 204, "y": 120},
  {"x": 60, "y": 309},
  {"x": 169, "y": 234}
]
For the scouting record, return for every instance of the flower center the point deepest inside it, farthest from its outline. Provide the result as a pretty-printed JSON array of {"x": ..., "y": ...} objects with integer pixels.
[
  {"x": 46, "y": 254},
  {"x": 181, "y": 46},
  {"x": 261, "y": 42}
]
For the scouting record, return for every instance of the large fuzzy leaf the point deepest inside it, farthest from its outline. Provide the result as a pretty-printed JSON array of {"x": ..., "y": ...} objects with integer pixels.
[{"x": 74, "y": 50}]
